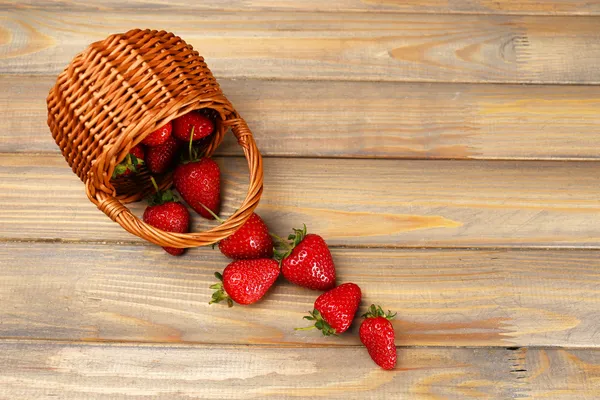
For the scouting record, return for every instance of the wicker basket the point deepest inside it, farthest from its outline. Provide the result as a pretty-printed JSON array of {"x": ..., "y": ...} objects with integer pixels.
[{"x": 117, "y": 92}]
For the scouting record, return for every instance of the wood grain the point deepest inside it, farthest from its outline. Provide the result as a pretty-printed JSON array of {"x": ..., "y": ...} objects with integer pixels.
[
  {"x": 547, "y": 7},
  {"x": 443, "y": 297},
  {"x": 370, "y": 119},
  {"x": 92, "y": 371},
  {"x": 350, "y": 46},
  {"x": 391, "y": 203}
]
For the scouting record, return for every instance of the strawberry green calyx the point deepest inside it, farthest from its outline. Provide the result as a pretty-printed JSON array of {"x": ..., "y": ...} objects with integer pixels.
[
  {"x": 297, "y": 236},
  {"x": 219, "y": 295},
  {"x": 160, "y": 196},
  {"x": 130, "y": 164},
  {"x": 320, "y": 324},
  {"x": 376, "y": 311},
  {"x": 281, "y": 248},
  {"x": 284, "y": 248}
]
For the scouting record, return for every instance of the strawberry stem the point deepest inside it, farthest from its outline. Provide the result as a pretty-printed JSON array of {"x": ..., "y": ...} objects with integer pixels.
[
  {"x": 190, "y": 144},
  {"x": 160, "y": 197},
  {"x": 280, "y": 240},
  {"x": 320, "y": 323},
  {"x": 154, "y": 184},
  {"x": 215, "y": 216},
  {"x": 288, "y": 245},
  {"x": 306, "y": 328}
]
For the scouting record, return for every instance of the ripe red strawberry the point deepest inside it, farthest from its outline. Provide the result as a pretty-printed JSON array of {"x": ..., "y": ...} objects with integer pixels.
[
  {"x": 377, "y": 334},
  {"x": 159, "y": 136},
  {"x": 166, "y": 213},
  {"x": 128, "y": 166},
  {"x": 245, "y": 281},
  {"x": 307, "y": 261},
  {"x": 195, "y": 122},
  {"x": 138, "y": 151},
  {"x": 198, "y": 181},
  {"x": 252, "y": 240},
  {"x": 160, "y": 158},
  {"x": 335, "y": 309}
]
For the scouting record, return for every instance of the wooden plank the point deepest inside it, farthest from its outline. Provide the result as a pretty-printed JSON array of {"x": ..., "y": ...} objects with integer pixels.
[
  {"x": 547, "y": 7},
  {"x": 95, "y": 371},
  {"x": 370, "y": 119},
  {"x": 351, "y": 46},
  {"x": 392, "y": 203},
  {"x": 443, "y": 297}
]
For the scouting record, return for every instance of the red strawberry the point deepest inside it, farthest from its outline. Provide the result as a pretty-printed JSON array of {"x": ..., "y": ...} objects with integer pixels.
[
  {"x": 159, "y": 136},
  {"x": 165, "y": 213},
  {"x": 252, "y": 240},
  {"x": 335, "y": 309},
  {"x": 307, "y": 261},
  {"x": 160, "y": 158},
  {"x": 128, "y": 166},
  {"x": 377, "y": 334},
  {"x": 138, "y": 151},
  {"x": 195, "y": 122},
  {"x": 198, "y": 181},
  {"x": 245, "y": 281}
]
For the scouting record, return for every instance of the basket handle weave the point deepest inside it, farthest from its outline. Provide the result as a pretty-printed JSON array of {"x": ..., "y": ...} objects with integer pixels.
[{"x": 119, "y": 213}]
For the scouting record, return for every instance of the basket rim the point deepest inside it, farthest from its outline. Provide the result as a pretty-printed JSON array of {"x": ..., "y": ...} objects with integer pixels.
[{"x": 117, "y": 210}]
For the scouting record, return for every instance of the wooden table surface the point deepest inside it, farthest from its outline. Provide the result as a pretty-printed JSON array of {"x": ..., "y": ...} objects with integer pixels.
[{"x": 448, "y": 151}]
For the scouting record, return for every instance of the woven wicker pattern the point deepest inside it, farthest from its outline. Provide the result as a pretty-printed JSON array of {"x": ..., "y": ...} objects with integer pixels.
[{"x": 118, "y": 91}]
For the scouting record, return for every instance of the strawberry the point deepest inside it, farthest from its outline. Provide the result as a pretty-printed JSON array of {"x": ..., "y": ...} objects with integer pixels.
[
  {"x": 159, "y": 136},
  {"x": 166, "y": 213},
  {"x": 245, "y": 281},
  {"x": 138, "y": 151},
  {"x": 307, "y": 261},
  {"x": 252, "y": 240},
  {"x": 334, "y": 310},
  {"x": 160, "y": 158},
  {"x": 377, "y": 334},
  {"x": 195, "y": 122},
  {"x": 198, "y": 181},
  {"x": 129, "y": 166}
]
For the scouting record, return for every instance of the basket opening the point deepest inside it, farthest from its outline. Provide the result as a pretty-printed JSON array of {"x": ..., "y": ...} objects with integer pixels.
[{"x": 137, "y": 186}]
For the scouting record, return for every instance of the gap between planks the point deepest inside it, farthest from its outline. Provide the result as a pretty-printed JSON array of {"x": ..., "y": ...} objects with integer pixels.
[
  {"x": 18, "y": 76},
  {"x": 227, "y": 155},
  {"x": 308, "y": 345},
  {"x": 331, "y": 246}
]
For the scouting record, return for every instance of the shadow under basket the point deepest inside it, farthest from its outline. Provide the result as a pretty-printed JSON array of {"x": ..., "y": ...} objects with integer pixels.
[{"x": 117, "y": 92}]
